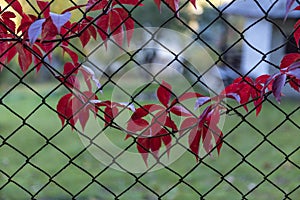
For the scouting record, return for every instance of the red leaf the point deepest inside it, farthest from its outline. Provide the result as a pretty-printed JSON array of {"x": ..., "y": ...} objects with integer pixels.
[
  {"x": 47, "y": 48},
  {"x": 70, "y": 81},
  {"x": 16, "y": 6},
  {"x": 73, "y": 8},
  {"x": 24, "y": 58},
  {"x": 258, "y": 99},
  {"x": 297, "y": 32},
  {"x": 235, "y": 96},
  {"x": 25, "y": 23},
  {"x": 194, "y": 141},
  {"x": 289, "y": 59},
  {"x": 128, "y": 22},
  {"x": 143, "y": 146},
  {"x": 206, "y": 139},
  {"x": 295, "y": 84},
  {"x": 174, "y": 4},
  {"x": 188, "y": 124},
  {"x": 233, "y": 91},
  {"x": 137, "y": 125},
  {"x": 8, "y": 15},
  {"x": 171, "y": 124},
  {"x": 180, "y": 111},
  {"x": 71, "y": 112},
  {"x": 80, "y": 110},
  {"x": 49, "y": 30},
  {"x": 96, "y": 5},
  {"x": 62, "y": 106},
  {"x": 11, "y": 53},
  {"x": 69, "y": 69},
  {"x": 35, "y": 30},
  {"x": 44, "y": 7},
  {"x": 88, "y": 75},
  {"x": 129, "y": 2},
  {"x": 155, "y": 144},
  {"x": 201, "y": 101},
  {"x": 85, "y": 38},
  {"x": 267, "y": 84},
  {"x": 145, "y": 110},
  {"x": 115, "y": 25},
  {"x": 71, "y": 53},
  {"x": 109, "y": 114},
  {"x": 164, "y": 93},
  {"x": 103, "y": 23},
  {"x": 60, "y": 19},
  {"x": 186, "y": 96},
  {"x": 93, "y": 32},
  {"x": 83, "y": 117},
  {"x": 158, "y": 121},
  {"x": 205, "y": 115},
  {"x": 293, "y": 66},
  {"x": 278, "y": 85},
  {"x": 194, "y": 3},
  {"x": 37, "y": 59},
  {"x": 218, "y": 136},
  {"x": 90, "y": 96},
  {"x": 157, "y": 2},
  {"x": 167, "y": 140}
]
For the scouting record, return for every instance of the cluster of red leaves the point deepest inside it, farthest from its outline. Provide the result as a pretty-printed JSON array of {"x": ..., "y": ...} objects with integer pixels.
[
  {"x": 151, "y": 125},
  {"x": 152, "y": 133}
]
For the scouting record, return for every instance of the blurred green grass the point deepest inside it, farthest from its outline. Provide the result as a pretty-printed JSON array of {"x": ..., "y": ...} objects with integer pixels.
[{"x": 251, "y": 160}]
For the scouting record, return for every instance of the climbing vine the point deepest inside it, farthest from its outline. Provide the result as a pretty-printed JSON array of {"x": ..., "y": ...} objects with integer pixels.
[{"x": 152, "y": 125}]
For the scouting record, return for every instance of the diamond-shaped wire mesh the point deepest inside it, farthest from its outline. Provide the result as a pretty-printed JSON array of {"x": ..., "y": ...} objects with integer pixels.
[{"x": 260, "y": 157}]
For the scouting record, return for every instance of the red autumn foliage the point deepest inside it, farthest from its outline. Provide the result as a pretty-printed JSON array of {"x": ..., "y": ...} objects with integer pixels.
[{"x": 151, "y": 125}]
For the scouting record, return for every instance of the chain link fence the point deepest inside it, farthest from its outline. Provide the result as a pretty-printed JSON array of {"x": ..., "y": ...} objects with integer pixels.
[{"x": 260, "y": 157}]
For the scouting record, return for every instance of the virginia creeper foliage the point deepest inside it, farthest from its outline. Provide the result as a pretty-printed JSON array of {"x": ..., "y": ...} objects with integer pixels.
[{"x": 152, "y": 126}]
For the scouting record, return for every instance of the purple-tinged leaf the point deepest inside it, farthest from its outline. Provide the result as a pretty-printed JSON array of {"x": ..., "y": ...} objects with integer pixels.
[
  {"x": 128, "y": 105},
  {"x": 35, "y": 30},
  {"x": 234, "y": 96},
  {"x": 278, "y": 85},
  {"x": 201, "y": 101},
  {"x": 295, "y": 73},
  {"x": 295, "y": 84},
  {"x": 60, "y": 19},
  {"x": 293, "y": 66},
  {"x": 289, "y": 4},
  {"x": 180, "y": 111},
  {"x": 92, "y": 75}
]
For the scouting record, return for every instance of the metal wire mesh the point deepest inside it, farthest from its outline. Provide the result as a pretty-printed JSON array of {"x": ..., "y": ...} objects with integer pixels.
[{"x": 42, "y": 160}]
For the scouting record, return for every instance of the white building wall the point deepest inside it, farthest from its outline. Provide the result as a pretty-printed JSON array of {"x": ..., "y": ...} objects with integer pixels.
[{"x": 258, "y": 36}]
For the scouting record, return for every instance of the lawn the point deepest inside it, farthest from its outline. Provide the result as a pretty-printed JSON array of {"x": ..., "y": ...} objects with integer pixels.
[{"x": 260, "y": 158}]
